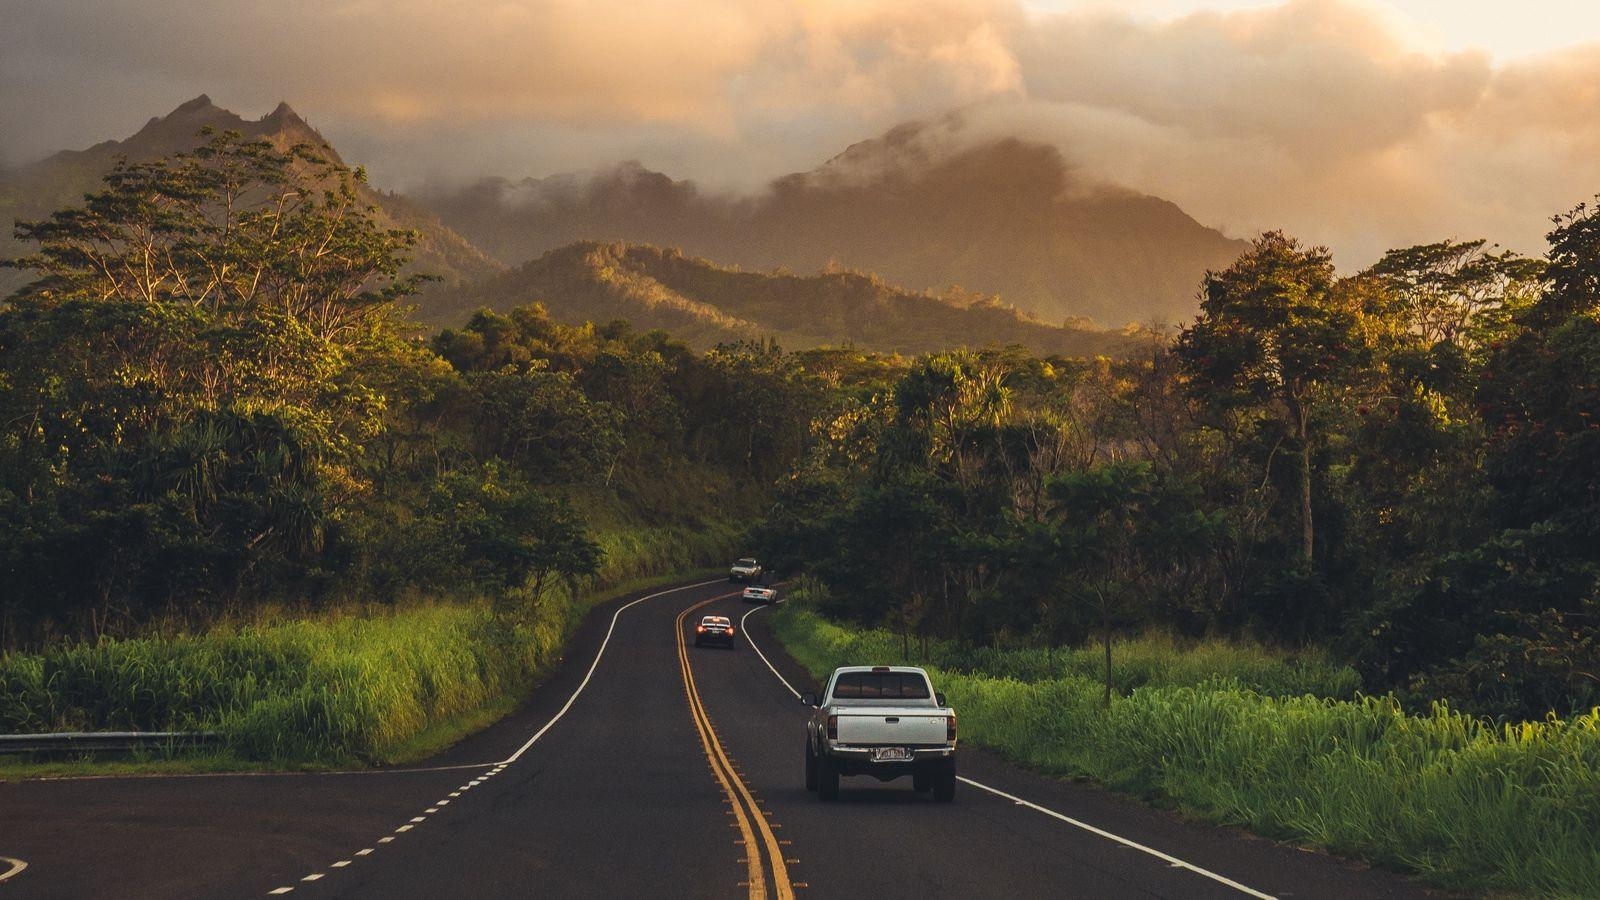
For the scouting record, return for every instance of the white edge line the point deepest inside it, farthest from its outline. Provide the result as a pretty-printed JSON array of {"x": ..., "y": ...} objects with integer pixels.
[
  {"x": 1221, "y": 879},
  {"x": 757, "y": 649},
  {"x": 594, "y": 665},
  {"x": 15, "y": 868}
]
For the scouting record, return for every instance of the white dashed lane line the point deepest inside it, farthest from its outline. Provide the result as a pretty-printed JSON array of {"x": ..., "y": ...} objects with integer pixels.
[{"x": 494, "y": 768}]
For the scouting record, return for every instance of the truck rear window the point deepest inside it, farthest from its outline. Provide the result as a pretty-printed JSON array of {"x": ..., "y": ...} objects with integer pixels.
[{"x": 880, "y": 686}]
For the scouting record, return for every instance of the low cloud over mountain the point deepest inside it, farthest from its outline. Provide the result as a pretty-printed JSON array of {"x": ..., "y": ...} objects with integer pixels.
[{"x": 926, "y": 206}]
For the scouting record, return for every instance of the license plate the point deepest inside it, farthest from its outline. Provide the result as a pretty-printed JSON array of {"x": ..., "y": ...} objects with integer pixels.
[{"x": 887, "y": 754}]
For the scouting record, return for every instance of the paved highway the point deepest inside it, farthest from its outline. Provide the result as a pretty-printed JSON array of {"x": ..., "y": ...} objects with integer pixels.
[{"x": 643, "y": 767}]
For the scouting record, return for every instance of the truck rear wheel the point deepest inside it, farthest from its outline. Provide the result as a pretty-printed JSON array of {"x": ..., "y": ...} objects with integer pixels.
[
  {"x": 944, "y": 782},
  {"x": 811, "y": 768},
  {"x": 827, "y": 778}
]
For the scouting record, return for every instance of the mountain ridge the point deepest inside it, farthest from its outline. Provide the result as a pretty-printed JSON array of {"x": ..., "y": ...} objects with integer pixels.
[
  {"x": 926, "y": 206},
  {"x": 706, "y": 304}
]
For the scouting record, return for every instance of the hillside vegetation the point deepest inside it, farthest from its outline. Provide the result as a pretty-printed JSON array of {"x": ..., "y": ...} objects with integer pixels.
[{"x": 706, "y": 304}]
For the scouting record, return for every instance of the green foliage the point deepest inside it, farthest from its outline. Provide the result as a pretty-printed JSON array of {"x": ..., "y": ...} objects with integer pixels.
[
  {"x": 355, "y": 688},
  {"x": 1460, "y": 801},
  {"x": 1276, "y": 335}
]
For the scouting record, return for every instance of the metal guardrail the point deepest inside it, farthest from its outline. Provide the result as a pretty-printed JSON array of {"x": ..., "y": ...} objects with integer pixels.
[{"x": 106, "y": 741}]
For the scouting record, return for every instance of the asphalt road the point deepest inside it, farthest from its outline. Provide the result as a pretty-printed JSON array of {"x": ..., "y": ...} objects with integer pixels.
[{"x": 671, "y": 771}]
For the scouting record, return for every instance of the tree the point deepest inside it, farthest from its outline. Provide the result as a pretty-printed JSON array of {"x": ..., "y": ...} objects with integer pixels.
[
  {"x": 188, "y": 385},
  {"x": 1574, "y": 271},
  {"x": 1457, "y": 293},
  {"x": 1275, "y": 333},
  {"x": 1112, "y": 530},
  {"x": 506, "y": 534}
]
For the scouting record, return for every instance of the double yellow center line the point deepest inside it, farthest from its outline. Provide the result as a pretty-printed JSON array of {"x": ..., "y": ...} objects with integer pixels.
[{"x": 747, "y": 813}]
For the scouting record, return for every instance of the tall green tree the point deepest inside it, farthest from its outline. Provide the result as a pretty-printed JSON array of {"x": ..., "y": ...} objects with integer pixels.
[{"x": 1276, "y": 334}]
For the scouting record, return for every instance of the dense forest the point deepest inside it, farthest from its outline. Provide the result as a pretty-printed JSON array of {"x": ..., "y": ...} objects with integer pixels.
[
  {"x": 211, "y": 399},
  {"x": 1400, "y": 464}
]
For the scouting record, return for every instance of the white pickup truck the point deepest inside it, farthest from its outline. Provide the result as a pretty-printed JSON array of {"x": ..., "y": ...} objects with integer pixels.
[
  {"x": 745, "y": 569},
  {"x": 883, "y": 721}
]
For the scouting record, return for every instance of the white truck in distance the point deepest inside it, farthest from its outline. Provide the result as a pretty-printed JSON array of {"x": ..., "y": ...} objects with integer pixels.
[
  {"x": 883, "y": 721},
  {"x": 745, "y": 569}
]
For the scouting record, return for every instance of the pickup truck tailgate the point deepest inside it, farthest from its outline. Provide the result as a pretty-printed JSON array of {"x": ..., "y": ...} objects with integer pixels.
[{"x": 891, "y": 726}]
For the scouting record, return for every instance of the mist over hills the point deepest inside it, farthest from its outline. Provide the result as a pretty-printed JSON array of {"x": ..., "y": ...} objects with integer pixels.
[
  {"x": 35, "y": 190},
  {"x": 924, "y": 206},
  {"x": 705, "y": 304}
]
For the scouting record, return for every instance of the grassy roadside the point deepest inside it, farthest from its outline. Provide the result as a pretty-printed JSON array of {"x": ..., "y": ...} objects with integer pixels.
[
  {"x": 385, "y": 686},
  {"x": 1458, "y": 801}
]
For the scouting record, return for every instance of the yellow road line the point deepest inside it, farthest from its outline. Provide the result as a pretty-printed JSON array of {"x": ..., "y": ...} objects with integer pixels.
[{"x": 733, "y": 786}]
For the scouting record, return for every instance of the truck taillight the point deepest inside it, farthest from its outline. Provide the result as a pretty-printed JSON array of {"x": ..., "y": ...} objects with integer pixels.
[
  {"x": 833, "y": 728},
  {"x": 950, "y": 728}
]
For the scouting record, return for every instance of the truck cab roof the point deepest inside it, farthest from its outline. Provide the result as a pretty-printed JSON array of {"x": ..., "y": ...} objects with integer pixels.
[{"x": 881, "y": 685}]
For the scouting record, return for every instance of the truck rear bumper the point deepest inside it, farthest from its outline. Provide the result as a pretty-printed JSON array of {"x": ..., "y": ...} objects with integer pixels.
[
  {"x": 859, "y": 761},
  {"x": 846, "y": 751}
]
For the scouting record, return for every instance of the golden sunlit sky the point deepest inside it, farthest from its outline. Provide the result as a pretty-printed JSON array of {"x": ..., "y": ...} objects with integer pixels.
[
  {"x": 1504, "y": 28},
  {"x": 1362, "y": 124}
]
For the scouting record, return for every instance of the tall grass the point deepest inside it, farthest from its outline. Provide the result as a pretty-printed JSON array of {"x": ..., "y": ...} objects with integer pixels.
[
  {"x": 634, "y": 553},
  {"x": 1151, "y": 660},
  {"x": 339, "y": 688},
  {"x": 343, "y": 690},
  {"x": 1463, "y": 802}
]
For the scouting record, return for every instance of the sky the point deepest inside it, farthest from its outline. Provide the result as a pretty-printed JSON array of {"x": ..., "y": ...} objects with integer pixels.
[{"x": 1360, "y": 124}]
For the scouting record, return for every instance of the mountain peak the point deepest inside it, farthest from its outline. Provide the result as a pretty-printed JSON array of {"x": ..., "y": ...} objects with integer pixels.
[
  {"x": 283, "y": 111},
  {"x": 201, "y": 103}
]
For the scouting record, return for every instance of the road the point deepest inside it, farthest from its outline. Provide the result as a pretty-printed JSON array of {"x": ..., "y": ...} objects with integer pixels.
[{"x": 643, "y": 767}]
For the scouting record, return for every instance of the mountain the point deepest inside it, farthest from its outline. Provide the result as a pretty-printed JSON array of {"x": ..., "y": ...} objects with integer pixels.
[
  {"x": 926, "y": 206},
  {"x": 36, "y": 190},
  {"x": 705, "y": 304}
]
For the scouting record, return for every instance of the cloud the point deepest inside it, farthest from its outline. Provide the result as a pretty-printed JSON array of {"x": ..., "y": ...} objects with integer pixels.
[
  {"x": 1342, "y": 120},
  {"x": 1324, "y": 116}
]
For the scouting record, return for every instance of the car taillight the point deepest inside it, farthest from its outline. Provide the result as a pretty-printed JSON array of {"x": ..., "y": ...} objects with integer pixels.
[
  {"x": 950, "y": 728},
  {"x": 833, "y": 728},
  {"x": 700, "y": 628},
  {"x": 730, "y": 630}
]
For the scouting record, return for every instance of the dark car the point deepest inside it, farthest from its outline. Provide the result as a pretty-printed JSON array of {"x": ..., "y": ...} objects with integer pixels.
[{"x": 714, "y": 630}]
